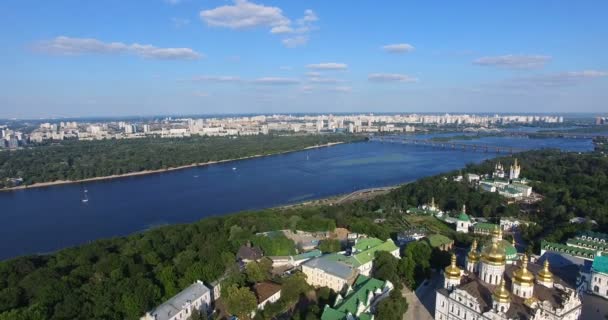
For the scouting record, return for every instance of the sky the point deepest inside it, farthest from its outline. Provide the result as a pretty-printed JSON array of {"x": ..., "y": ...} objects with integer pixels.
[{"x": 74, "y": 58}]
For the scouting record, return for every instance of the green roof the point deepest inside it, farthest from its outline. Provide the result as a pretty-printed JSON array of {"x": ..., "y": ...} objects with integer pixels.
[
  {"x": 484, "y": 226},
  {"x": 366, "y": 243},
  {"x": 369, "y": 246},
  {"x": 562, "y": 248},
  {"x": 600, "y": 264},
  {"x": 349, "y": 260},
  {"x": 591, "y": 245},
  {"x": 310, "y": 254},
  {"x": 361, "y": 289},
  {"x": 437, "y": 240},
  {"x": 592, "y": 234},
  {"x": 464, "y": 217}
]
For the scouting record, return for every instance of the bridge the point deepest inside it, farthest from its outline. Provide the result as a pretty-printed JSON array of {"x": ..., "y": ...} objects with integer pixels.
[
  {"x": 541, "y": 134},
  {"x": 450, "y": 145}
]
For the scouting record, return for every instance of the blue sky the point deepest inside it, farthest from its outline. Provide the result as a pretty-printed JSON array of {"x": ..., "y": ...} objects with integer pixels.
[{"x": 119, "y": 57}]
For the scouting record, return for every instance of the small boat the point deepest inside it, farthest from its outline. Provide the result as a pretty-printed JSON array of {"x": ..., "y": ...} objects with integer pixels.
[
  {"x": 86, "y": 198},
  {"x": 233, "y": 168}
]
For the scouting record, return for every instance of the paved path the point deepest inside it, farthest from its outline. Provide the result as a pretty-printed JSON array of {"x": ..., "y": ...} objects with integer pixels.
[{"x": 422, "y": 301}]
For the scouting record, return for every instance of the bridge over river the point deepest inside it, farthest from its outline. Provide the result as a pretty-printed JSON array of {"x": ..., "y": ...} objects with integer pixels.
[{"x": 453, "y": 145}]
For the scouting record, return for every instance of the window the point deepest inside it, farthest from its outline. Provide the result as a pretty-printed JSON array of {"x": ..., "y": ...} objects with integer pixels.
[{"x": 596, "y": 289}]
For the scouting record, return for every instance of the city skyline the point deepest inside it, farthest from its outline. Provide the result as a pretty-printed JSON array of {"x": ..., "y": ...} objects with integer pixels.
[{"x": 262, "y": 57}]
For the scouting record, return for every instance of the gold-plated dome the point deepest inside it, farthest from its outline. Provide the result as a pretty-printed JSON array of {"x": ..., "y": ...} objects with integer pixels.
[
  {"x": 523, "y": 276},
  {"x": 545, "y": 275},
  {"x": 501, "y": 294},
  {"x": 494, "y": 255},
  {"x": 497, "y": 232},
  {"x": 473, "y": 255},
  {"x": 452, "y": 271}
]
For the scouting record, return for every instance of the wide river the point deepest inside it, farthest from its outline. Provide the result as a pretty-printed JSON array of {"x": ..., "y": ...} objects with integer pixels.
[{"x": 41, "y": 220}]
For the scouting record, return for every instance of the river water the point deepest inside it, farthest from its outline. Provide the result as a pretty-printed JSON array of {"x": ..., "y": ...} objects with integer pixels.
[{"x": 42, "y": 220}]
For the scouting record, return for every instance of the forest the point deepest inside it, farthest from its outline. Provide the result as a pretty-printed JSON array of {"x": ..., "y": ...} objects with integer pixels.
[
  {"x": 121, "y": 278},
  {"x": 76, "y": 160}
]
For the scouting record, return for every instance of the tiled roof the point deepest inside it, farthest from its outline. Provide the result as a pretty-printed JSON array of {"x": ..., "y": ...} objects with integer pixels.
[
  {"x": 368, "y": 254},
  {"x": 361, "y": 289},
  {"x": 265, "y": 290}
]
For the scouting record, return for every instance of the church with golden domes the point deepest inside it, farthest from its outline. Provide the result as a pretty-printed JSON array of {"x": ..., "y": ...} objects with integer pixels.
[{"x": 488, "y": 287}]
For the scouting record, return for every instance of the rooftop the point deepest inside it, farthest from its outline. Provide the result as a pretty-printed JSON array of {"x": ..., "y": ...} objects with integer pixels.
[
  {"x": 361, "y": 289},
  {"x": 174, "y": 305},
  {"x": 265, "y": 290},
  {"x": 334, "y": 267},
  {"x": 600, "y": 264}
]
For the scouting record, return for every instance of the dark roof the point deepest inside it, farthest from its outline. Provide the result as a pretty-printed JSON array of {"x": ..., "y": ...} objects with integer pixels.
[
  {"x": 249, "y": 253},
  {"x": 265, "y": 290}
]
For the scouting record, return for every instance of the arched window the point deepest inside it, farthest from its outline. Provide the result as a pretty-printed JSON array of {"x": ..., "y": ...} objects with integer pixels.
[{"x": 596, "y": 289}]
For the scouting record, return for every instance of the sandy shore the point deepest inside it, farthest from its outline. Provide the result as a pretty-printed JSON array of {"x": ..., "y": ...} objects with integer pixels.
[{"x": 145, "y": 172}]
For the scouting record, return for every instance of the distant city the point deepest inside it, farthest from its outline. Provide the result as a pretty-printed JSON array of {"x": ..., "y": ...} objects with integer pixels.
[{"x": 169, "y": 127}]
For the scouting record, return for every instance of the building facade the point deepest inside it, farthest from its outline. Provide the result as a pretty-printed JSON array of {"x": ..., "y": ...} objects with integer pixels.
[
  {"x": 197, "y": 297},
  {"x": 492, "y": 289}
]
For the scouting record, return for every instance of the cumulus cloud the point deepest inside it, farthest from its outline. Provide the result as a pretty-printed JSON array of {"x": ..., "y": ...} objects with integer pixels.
[
  {"x": 512, "y": 61},
  {"x": 275, "y": 81},
  {"x": 244, "y": 14},
  {"x": 556, "y": 79},
  {"x": 63, "y": 45},
  {"x": 390, "y": 77},
  {"x": 216, "y": 79},
  {"x": 398, "y": 48},
  {"x": 328, "y": 66}
]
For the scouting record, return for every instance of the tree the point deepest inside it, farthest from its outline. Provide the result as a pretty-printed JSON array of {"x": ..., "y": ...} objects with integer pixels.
[
  {"x": 257, "y": 271},
  {"x": 393, "y": 307},
  {"x": 293, "y": 287},
  {"x": 240, "y": 301},
  {"x": 385, "y": 267},
  {"x": 330, "y": 245}
]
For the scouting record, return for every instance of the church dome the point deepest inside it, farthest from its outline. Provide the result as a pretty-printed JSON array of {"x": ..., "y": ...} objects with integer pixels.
[
  {"x": 452, "y": 271},
  {"x": 523, "y": 276},
  {"x": 501, "y": 294},
  {"x": 473, "y": 255},
  {"x": 545, "y": 275},
  {"x": 494, "y": 255}
]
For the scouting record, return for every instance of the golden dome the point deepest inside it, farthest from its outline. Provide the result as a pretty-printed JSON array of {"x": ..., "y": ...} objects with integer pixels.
[
  {"x": 523, "y": 276},
  {"x": 494, "y": 255},
  {"x": 545, "y": 275},
  {"x": 501, "y": 294},
  {"x": 497, "y": 232},
  {"x": 452, "y": 271},
  {"x": 473, "y": 255}
]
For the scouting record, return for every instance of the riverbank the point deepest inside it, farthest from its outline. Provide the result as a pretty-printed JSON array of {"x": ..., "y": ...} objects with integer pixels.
[{"x": 147, "y": 172}]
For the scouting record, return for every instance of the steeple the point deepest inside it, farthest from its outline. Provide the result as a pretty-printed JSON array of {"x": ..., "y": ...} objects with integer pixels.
[
  {"x": 501, "y": 297},
  {"x": 452, "y": 274},
  {"x": 523, "y": 280},
  {"x": 473, "y": 258},
  {"x": 544, "y": 276}
]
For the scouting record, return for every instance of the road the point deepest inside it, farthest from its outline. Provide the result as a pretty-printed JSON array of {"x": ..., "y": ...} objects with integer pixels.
[{"x": 422, "y": 301}]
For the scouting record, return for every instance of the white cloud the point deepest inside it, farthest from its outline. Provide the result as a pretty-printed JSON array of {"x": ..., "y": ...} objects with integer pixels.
[
  {"x": 328, "y": 66},
  {"x": 514, "y": 61},
  {"x": 173, "y": 2},
  {"x": 77, "y": 46},
  {"x": 295, "y": 42},
  {"x": 216, "y": 79},
  {"x": 398, "y": 48},
  {"x": 313, "y": 74},
  {"x": 390, "y": 77},
  {"x": 275, "y": 81},
  {"x": 244, "y": 14},
  {"x": 323, "y": 80}
]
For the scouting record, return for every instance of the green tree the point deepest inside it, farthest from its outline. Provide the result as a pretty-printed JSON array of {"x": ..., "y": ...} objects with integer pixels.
[
  {"x": 330, "y": 245},
  {"x": 240, "y": 301}
]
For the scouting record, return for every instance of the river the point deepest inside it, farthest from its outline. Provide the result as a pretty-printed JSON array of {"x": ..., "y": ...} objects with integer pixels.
[{"x": 41, "y": 220}]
